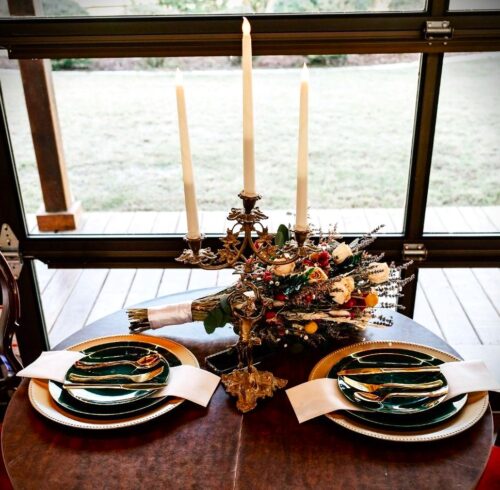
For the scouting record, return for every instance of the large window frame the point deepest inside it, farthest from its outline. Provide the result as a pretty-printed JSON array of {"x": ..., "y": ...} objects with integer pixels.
[{"x": 220, "y": 35}]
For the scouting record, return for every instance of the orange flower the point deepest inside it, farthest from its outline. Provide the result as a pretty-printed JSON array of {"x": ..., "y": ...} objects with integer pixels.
[{"x": 316, "y": 275}]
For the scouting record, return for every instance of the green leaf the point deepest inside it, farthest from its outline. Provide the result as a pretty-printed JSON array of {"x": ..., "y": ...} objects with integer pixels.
[
  {"x": 225, "y": 306},
  {"x": 215, "y": 319},
  {"x": 282, "y": 236}
]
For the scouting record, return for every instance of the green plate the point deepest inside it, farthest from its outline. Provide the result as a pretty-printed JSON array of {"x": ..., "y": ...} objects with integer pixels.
[
  {"x": 390, "y": 415},
  {"x": 64, "y": 399},
  {"x": 110, "y": 352}
]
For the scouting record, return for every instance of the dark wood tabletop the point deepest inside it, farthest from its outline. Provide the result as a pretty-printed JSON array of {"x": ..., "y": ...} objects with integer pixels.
[{"x": 218, "y": 447}]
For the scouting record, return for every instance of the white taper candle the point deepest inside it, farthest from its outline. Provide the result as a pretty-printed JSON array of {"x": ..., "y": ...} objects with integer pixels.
[
  {"x": 187, "y": 164},
  {"x": 248, "y": 133},
  {"x": 301, "y": 217}
]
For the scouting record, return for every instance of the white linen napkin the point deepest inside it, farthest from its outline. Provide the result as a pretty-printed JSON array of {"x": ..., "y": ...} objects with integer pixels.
[
  {"x": 51, "y": 365},
  {"x": 322, "y": 396},
  {"x": 191, "y": 383},
  {"x": 188, "y": 382}
]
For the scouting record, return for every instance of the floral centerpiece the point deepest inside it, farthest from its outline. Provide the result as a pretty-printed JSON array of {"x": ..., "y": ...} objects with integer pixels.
[
  {"x": 287, "y": 287},
  {"x": 335, "y": 284}
]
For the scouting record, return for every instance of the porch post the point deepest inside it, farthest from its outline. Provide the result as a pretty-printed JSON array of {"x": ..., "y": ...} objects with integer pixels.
[{"x": 59, "y": 211}]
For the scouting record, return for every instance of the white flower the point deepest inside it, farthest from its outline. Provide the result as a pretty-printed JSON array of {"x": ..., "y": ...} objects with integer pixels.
[
  {"x": 378, "y": 272},
  {"x": 283, "y": 270},
  {"x": 340, "y": 294},
  {"x": 348, "y": 282},
  {"x": 341, "y": 253}
]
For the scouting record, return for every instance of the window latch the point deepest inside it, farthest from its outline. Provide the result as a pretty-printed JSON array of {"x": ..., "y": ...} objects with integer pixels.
[
  {"x": 9, "y": 246},
  {"x": 438, "y": 29},
  {"x": 414, "y": 251}
]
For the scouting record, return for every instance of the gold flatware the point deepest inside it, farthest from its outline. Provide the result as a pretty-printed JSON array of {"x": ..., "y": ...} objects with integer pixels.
[
  {"x": 372, "y": 397},
  {"x": 357, "y": 371},
  {"x": 144, "y": 362},
  {"x": 370, "y": 387},
  {"x": 124, "y": 386},
  {"x": 136, "y": 378}
]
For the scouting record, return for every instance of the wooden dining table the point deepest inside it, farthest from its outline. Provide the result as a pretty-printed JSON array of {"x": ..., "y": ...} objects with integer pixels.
[{"x": 218, "y": 447}]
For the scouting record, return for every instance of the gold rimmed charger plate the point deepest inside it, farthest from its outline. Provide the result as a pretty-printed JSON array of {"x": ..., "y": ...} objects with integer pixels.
[
  {"x": 43, "y": 403},
  {"x": 474, "y": 409}
]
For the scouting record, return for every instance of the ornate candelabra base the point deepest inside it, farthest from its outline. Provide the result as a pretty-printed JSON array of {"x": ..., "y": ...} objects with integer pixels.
[{"x": 249, "y": 384}]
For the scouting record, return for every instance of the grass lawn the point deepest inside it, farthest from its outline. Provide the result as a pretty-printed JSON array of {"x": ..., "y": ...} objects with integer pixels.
[{"x": 121, "y": 142}]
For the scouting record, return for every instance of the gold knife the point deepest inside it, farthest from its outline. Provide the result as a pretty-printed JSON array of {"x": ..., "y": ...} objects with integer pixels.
[
  {"x": 123, "y": 386},
  {"x": 423, "y": 369},
  {"x": 369, "y": 387}
]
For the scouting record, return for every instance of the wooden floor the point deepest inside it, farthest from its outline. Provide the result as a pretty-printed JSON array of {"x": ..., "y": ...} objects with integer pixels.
[
  {"x": 449, "y": 219},
  {"x": 459, "y": 305}
]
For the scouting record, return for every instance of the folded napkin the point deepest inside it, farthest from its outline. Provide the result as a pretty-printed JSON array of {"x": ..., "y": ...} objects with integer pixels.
[
  {"x": 51, "y": 365},
  {"x": 322, "y": 396},
  {"x": 188, "y": 382},
  {"x": 191, "y": 383}
]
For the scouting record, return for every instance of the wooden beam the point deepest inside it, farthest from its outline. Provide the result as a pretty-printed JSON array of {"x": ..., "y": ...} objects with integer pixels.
[{"x": 58, "y": 212}]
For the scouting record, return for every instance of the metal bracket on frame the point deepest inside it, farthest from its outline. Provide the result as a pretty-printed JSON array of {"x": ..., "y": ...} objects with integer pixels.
[
  {"x": 438, "y": 30},
  {"x": 414, "y": 251},
  {"x": 9, "y": 246}
]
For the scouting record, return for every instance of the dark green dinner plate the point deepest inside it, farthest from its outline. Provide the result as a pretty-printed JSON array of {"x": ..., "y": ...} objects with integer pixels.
[
  {"x": 419, "y": 415},
  {"x": 112, "y": 352},
  {"x": 64, "y": 399}
]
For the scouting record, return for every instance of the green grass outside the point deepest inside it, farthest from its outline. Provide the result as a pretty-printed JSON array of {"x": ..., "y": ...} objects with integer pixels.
[{"x": 121, "y": 142}]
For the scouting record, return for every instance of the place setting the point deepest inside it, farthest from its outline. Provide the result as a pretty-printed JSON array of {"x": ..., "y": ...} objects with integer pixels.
[
  {"x": 116, "y": 381},
  {"x": 397, "y": 391}
]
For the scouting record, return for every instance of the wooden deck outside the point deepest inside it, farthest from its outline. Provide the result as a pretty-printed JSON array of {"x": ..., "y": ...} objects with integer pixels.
[
  {"x": 459, "y": 305},
  {"x": 449, "y": 219}
]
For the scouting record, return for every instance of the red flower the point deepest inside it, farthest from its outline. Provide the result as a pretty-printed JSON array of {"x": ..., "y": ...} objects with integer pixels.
[
  {"x": 280, "y": 297},
  {"x": 267, "y": 276},
  {"x": 270, "y": 315},
  {"x": 324, "y": 259},
  {"x": 349, "y": 304}
]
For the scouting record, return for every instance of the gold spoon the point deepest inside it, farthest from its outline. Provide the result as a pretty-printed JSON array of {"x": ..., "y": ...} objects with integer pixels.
[{"x": 143, "y": 362}]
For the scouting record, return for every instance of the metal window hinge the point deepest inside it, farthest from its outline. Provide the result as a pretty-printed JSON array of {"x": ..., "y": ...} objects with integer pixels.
[
  {"x": 414, "y": 251},
  {"x": 9, "y": 246},
  {"x": 438, "y": 29}
]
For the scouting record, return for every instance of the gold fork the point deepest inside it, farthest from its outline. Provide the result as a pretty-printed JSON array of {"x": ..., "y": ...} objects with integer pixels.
[{"x": 136, "y": 378}]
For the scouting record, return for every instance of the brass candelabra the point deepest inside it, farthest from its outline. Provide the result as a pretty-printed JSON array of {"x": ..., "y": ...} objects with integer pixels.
[{"x": 247, "y": 306}]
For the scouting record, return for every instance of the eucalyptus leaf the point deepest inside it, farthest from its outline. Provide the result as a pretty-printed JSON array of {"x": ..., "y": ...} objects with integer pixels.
[
  {"x": 215, "y": 319},
  {"x": 282, "y": 236}
]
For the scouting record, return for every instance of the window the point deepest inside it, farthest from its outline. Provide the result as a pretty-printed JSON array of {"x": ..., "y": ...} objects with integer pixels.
[
  {"x": 118, "y": 124},
  {"x": 74, "y": 8},
  {"x": 390, "y": 130},
  {"x": 464, "y": 186}
]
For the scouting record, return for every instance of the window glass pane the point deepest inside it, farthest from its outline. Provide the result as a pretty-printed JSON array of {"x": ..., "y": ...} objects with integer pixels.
[
  {"x": 180, "y": 7},
  {"x": 118, "y": 122},
  {"x": 464, "y": 192},
  {"x": 74, "y": 298},
  {"x": 474, "y": 5},
  {"x": 460, "y": 305}
]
